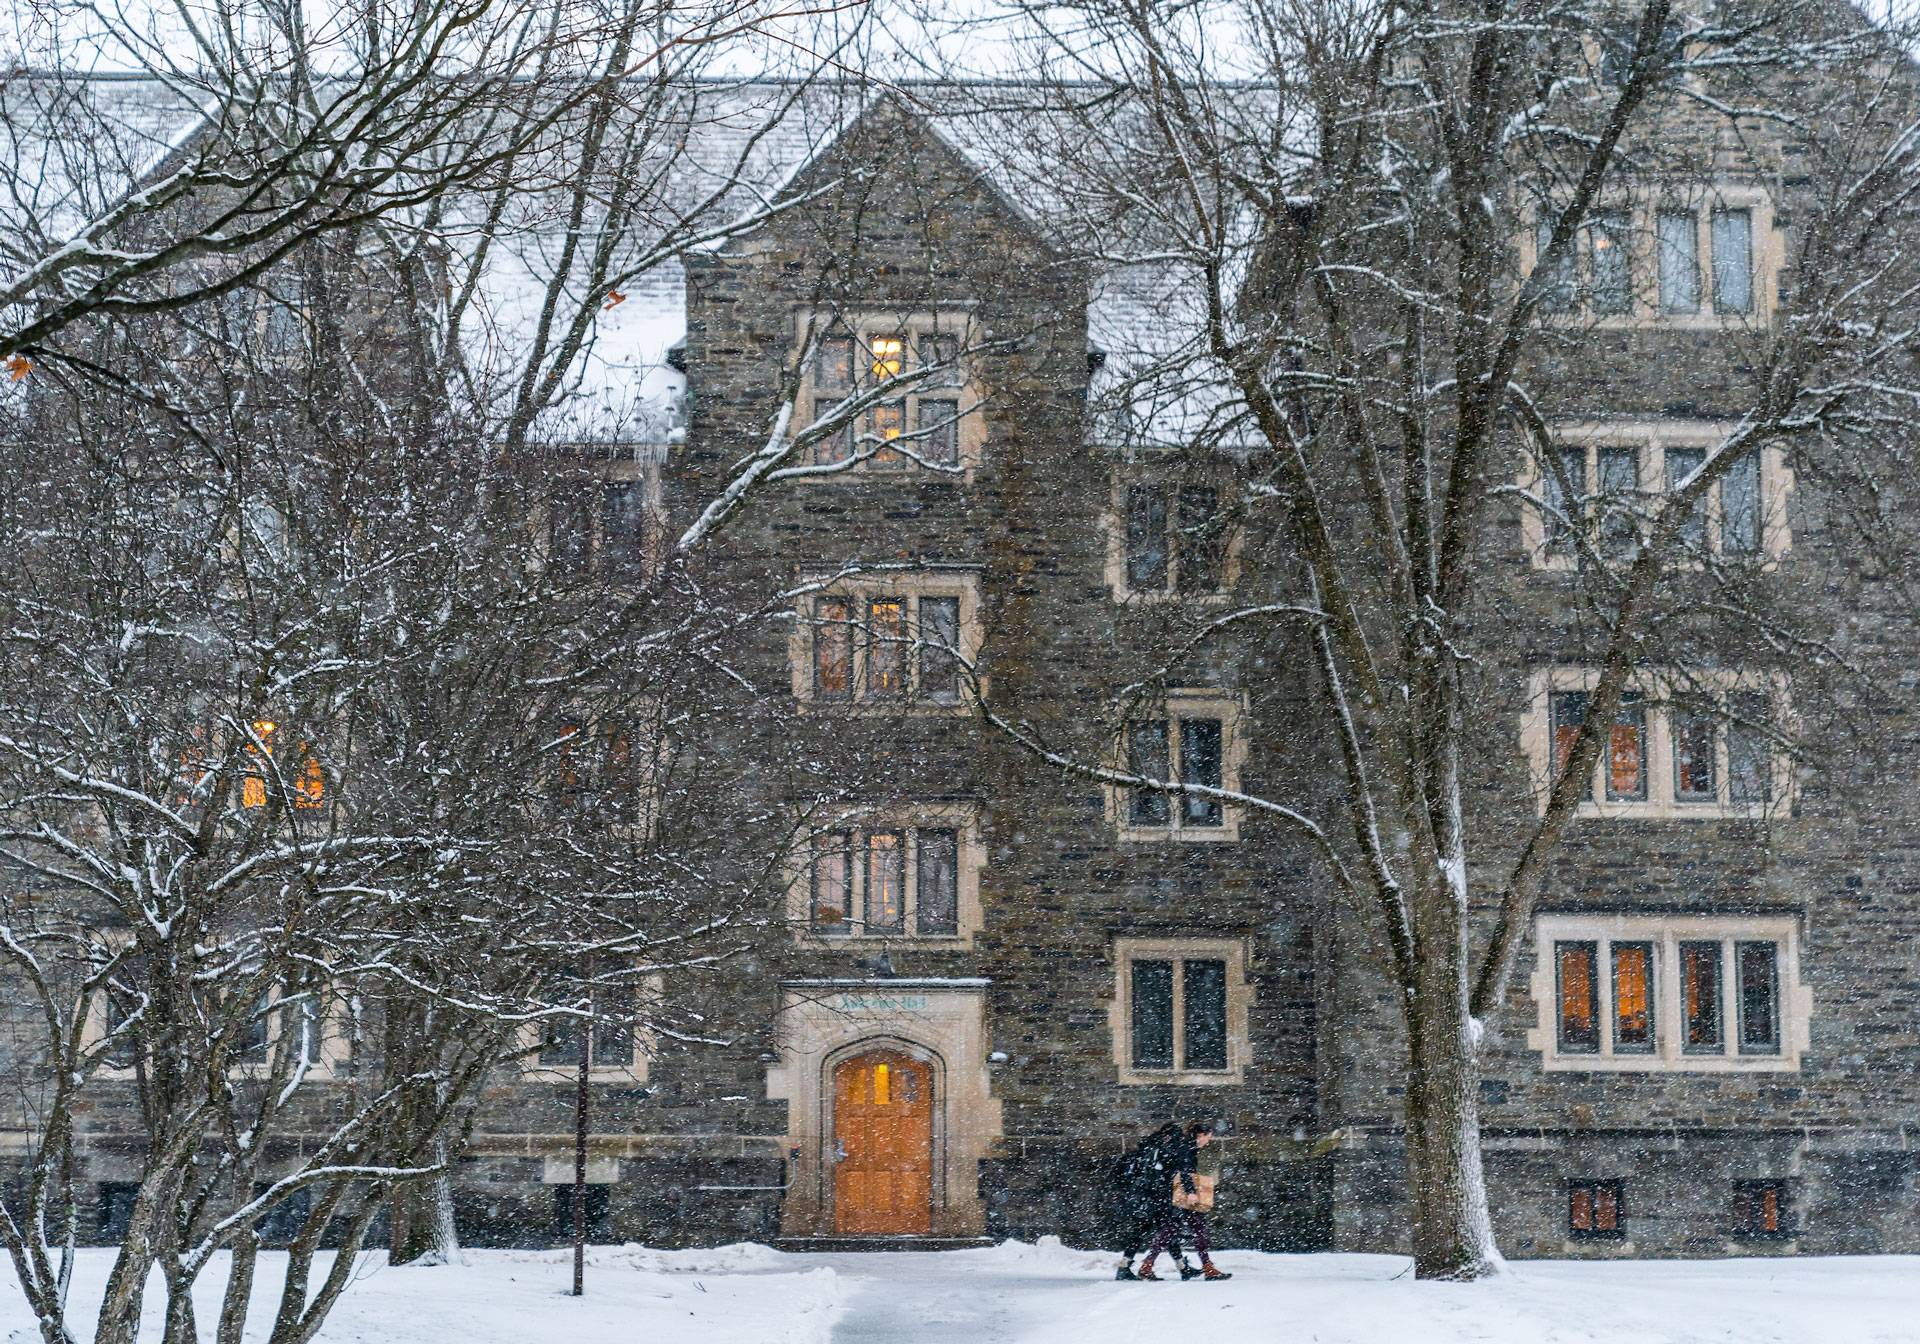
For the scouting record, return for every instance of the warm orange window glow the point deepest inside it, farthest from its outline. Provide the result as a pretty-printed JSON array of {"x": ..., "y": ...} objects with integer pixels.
[
  {"x": 196, "y": 774},
  {"x": 887, "y": 651},
  {"x": 310, "y": 790},
  {"x": 887, "y": 354},
  {"x": 253, "y": 789},
  {"x": 1606, "y": 1209},
  {"x": 566, "y": 773},
  {"x": 1594, "y": 1209},
  {"x": 1770, "y": 1209},
  {"x": 832, "y": 650},
  {"x": 1625, "y": 759},
  {"x": 1632, "y": 995},
  {"x": 1700, "y": 991},
  {"x": 1578, "y": 1028},
  {"x": 882, "y": 1085},
  {"x": 888, "y": 422},
  {"x": 1576, "y": 990}
]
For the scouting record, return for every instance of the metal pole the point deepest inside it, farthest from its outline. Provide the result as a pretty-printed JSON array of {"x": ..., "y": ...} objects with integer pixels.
[{"x": 580, "y": 1162}]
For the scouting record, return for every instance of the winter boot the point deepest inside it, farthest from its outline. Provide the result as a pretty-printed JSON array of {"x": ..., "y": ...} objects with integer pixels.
[
  {"x": 1125, "y": 1273},
  {"x": 1213, "y": 1275},
  {"x": 1146, "y": 1274},
  {"x": 1187, "y": 1271}
]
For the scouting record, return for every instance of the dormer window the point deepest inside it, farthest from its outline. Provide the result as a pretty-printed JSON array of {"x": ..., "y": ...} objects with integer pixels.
[
  {"x": 886, "y": 357},
  {"x": 931, "y": 426}
]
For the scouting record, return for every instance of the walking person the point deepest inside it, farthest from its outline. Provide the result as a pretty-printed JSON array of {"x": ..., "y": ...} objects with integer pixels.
[
  {"x": 1190, "y": 1193},
  {"x": 1143, "y": 1197}
]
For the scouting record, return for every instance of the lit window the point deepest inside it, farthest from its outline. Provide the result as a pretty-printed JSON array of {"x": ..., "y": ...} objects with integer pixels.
[
  {"x": 1626, "y": 766},
  {"x": 1612, "y": 287},
  {"x": 1569, "y": 714},
  {"x": 1760, "y": 1210},
  {"x": 887, "y": 648},
  {"x": 885, "y": 357},
  {"x": 888, "y": 421},
  {"x": 832, "y": 649},
  {"x": 253, "y": 788},
  {"x": 1602, "y": 981},
  {"x": 307, "y": 782},
  {"x": 889, "y": 882},
  {"x": 886, "y": 660},
  {"x": 600, "y": 772},
  {"x": 310, "y": 788},
  {"x": 1579, "y": 996},
  {"x": 886, "y": 864},
  {"x": 1596, "y": 1210},
  {"x": 926, "y": 423},
  {"x": 1633, "y": 996},
  {"x": 1705, "y": 751}
]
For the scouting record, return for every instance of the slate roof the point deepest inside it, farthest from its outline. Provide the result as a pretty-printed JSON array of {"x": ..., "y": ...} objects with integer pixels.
[{"x": 733, "y": 147}]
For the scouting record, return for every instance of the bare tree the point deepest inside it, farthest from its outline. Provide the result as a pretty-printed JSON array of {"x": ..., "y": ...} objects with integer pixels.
[
  {"x": 1371, "y": 244},
  {"x": 219, "y": 141}
]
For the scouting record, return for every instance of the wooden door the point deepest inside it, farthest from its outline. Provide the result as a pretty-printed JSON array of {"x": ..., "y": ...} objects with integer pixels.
[{"x": 883, "y": 1146}]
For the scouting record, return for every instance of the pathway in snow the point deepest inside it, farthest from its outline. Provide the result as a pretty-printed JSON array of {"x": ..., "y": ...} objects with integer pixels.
[
  {"x": 1050, "y": 1294},
  {"x": 931, "y": 1297}
]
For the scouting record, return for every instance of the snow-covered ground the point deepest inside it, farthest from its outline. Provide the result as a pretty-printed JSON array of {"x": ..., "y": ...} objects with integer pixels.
[{"x": 1049, "y": 1294}]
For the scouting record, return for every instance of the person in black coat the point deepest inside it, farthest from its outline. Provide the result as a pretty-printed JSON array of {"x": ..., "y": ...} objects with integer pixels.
[
  {"x": 1180, "y": 1151},
  {"x": 1143, "y": 1196}
]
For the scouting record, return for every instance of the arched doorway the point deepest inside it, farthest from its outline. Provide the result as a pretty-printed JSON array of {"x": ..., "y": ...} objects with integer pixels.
[{"x": 883, "y": 1145}]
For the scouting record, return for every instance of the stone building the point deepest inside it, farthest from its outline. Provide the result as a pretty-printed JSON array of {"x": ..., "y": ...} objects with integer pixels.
[{"x": 992, "y": 975}]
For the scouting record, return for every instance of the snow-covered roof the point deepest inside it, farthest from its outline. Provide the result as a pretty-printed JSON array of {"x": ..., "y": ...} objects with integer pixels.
[{"x": 727, "y": 151}]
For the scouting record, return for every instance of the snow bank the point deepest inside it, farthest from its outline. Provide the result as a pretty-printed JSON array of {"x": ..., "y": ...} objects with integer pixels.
[
  {"x": 1049, "y": 1293},
  {"x": 742, "y": 1257},
  {"x": 514, "y": 1297},
  {"x": 1047, "y": 1254}
]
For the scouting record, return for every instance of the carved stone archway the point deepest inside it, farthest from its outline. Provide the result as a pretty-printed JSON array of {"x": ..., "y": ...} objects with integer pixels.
[{"x": 941, "y": 1022}]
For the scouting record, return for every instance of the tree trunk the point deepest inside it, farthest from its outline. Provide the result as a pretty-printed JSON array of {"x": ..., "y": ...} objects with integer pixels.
[
  {"x": 1452, "y": 1228},
  {"x": 412, "y": 1235}
]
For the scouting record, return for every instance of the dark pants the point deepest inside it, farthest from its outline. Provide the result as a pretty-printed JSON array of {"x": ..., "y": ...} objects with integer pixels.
[
  {"x": 1140, "y": 1229},
  {"x": 1167, "y": 1235}
]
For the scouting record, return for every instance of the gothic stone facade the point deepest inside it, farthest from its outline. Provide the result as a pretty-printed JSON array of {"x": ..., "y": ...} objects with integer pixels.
[{"x": 995, "y": 977}]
